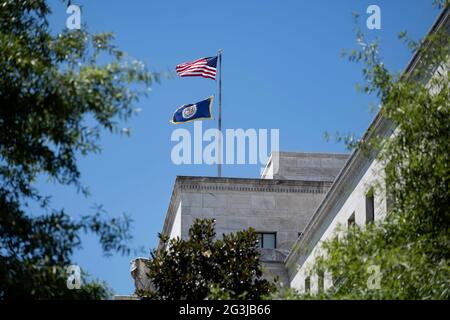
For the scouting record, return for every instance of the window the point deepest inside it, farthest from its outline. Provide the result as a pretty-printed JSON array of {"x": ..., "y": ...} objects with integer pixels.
[
  {"x": 267, "y": 240},
  {"x": 321, "y": 281},
  {"x": 370, "y": 207},
  {"x": 307, "y": 285},
  {"x": 299, "y": 234},
  {"x": 351, "y": 221}
]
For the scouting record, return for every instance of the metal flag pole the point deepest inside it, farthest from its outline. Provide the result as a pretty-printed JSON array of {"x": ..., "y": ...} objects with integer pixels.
[{"x": 219, "y": 160}]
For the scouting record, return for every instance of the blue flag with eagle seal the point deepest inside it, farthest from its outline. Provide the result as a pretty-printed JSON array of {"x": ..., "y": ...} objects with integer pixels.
[{"x": 194, "y": 111}]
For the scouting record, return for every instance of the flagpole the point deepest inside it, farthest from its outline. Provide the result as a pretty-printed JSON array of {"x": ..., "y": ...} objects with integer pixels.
[{"x": 219, "y": 160}]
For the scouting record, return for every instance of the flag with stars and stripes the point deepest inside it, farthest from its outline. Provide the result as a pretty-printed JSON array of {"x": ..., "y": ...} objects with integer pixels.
[{"x": 204, "y": 67}]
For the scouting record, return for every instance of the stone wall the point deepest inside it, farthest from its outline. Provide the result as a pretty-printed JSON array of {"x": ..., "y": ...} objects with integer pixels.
[
  {"x": 304, "y": 166},
  {"x": 280, "y": 206},
  {"x": 282, "y": 203},
  {"x": 283, "y": 207}
]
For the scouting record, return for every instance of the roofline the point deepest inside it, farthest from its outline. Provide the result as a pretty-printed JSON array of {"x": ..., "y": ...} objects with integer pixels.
[
  {"x": 376, "y": 124},
  {"x": 296, "y": 182},
  {"x": 266, "y": 167},
  {"x": 312, "y": 154}
]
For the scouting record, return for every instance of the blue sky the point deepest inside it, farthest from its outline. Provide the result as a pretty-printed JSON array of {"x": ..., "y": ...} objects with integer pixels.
[{"x": 282, "y": 68}]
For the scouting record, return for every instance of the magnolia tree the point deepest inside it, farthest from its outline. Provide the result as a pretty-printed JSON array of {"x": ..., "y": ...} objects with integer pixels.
[{"x": 205, "y": 267}]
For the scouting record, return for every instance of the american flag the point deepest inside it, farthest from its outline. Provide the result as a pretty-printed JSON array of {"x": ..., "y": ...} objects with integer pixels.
[{"x": 204, "y": 67}]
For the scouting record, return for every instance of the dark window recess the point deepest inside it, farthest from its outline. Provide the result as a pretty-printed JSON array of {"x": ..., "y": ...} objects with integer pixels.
[
  {"x": 321, "y": 281},
  {"x": 267, "y": 240},
  {"x": 307, "y": 285},
  {"x": 370, "y": 207},
  {"x": 351, "y": 221}
]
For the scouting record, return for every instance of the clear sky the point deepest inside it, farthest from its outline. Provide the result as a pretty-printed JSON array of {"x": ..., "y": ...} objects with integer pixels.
[{"x": 282, "y": 68}]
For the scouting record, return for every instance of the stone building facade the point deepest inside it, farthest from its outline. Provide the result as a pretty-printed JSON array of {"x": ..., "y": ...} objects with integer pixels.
[
  {"x": 275, "y": 208},
  {"x": 278, "y": 206},
  {"x": 357, "y": 196},
  {"x": 297, "y": 203}
]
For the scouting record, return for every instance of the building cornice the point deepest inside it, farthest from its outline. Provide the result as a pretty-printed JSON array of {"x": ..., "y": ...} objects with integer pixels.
[{"x": 252, "y": 185}]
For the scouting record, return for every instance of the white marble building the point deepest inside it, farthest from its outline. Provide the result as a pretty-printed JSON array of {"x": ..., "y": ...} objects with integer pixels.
[
  {"x": 278, "y": 209},
  {"x": 357, "y": 196},
  {"x": 293, "y": 209}
]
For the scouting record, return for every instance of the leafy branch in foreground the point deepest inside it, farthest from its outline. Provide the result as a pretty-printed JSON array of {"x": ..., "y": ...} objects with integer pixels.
[
  {"x": 412, "y": 245},
  {"x": 58, "y": 93}
]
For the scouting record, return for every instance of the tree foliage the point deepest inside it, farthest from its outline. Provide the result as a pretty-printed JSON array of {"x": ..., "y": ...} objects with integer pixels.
[
  {"x": 202, "y": 266},
  {"x": 412, "y": 245},
  {"x": 57, "y": 94}
]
